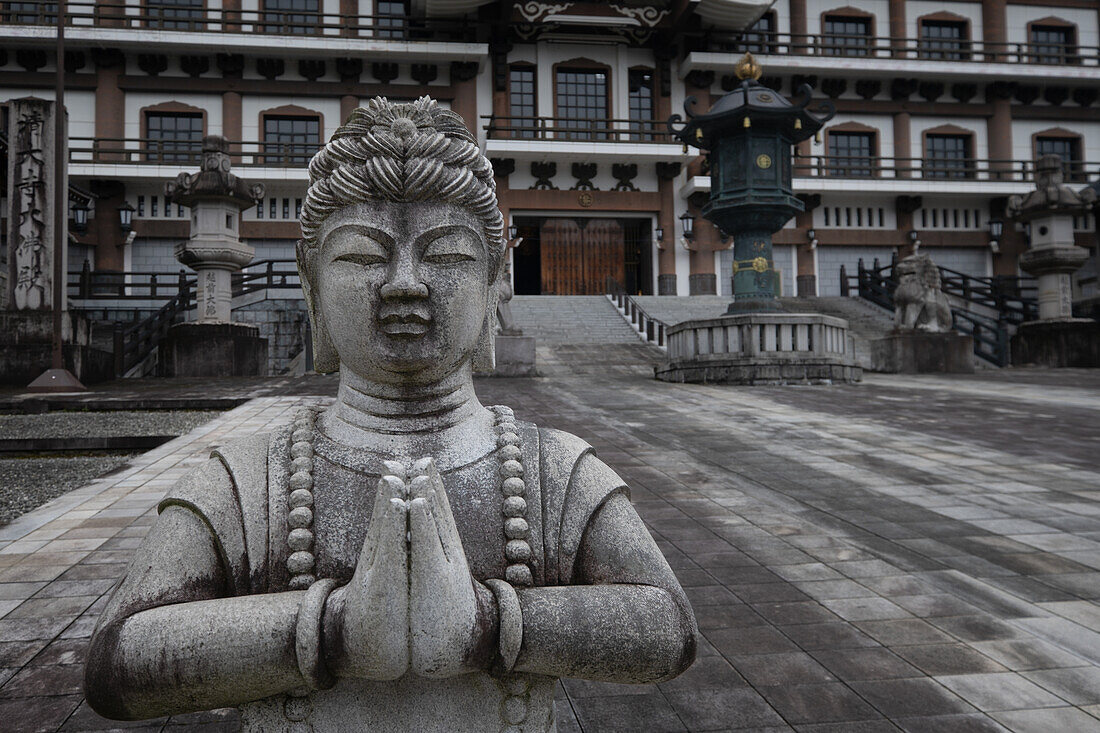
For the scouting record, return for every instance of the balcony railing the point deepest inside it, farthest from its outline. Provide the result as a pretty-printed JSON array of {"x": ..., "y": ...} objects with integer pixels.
[
  {"x": 574, "y": 130},
  {"x": 186, "y": 153},
  {"x": 946, "y": 169},
  {"x": 175, "y": 16},
  {"x": 883, "y": 47}
]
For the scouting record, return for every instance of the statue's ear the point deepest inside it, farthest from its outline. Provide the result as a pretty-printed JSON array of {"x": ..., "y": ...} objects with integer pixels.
[
  {"x": 325, "y": 358},
  {"x": 485, "y": 357}
]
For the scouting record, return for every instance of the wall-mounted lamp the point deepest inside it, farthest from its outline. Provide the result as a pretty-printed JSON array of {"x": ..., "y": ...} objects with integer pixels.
[
  {"x": 811, "y": 235},
  {"x": 914, "y": 239},
  {"x": 687, "y": 224},
  {"x": 126, "y": 217},
  {"x": 80, "y": 217},
  {"x": 659, "y": 233},
  {"x": 996, "y": 229},
  {"x": 513, "y": 232}
]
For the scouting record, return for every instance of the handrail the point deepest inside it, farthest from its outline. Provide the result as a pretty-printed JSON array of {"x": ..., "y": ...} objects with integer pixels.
[
  {"x": 269, "y": 276},
  {"x": 162, "y": 16},
  {"x": 156, "y": 151},
  {"x": 134, "y": 343},
  {"x": 567, "y": 128},
  {"x": 986, "y": 169},
  {"x": 765, "y": 43},
  {"x": 88, "y": 284},
  {"x": 652, "y": 330}
]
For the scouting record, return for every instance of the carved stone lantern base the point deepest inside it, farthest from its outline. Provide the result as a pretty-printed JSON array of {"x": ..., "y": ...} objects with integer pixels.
[
  {"x": 212, "y": 350},
  {"x": 920, "y": 352},
  {"x": 1063, "y": 343}
]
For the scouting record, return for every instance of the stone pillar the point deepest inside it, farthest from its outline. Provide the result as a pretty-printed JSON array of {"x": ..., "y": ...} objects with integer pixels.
[
  {"x": 32, "y": 183},
  {"x": 233, "y": 121},
  {"x": 798, "y": 25},
  {"x": 105, "y": 226},
  {"x": 903, "y": 144},
  {"x": 702, "y": 280},
  {"x": 1053, "y": 258},
  {"x": 999, "y": 134},
  {"x": 898, "y": 30},
  {"x": 993, "y": 25},
  {"x": 464, "y": 89},
  {"x": 348, "y": 103},
  {"x": 806, "y": 274},
  {"x": 109, "y": 101}
]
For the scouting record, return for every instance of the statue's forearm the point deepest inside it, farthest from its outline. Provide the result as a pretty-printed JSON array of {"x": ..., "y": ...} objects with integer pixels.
[
  {"x": 194, "y": 656},
  {"x": 613, "y": 633}
]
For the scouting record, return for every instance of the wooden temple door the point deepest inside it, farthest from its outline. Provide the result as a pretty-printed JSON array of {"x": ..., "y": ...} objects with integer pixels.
[{"x": 579, "y": 255}]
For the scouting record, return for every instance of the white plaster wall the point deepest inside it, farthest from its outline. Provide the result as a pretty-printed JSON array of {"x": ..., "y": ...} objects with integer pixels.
[
  {"x": 136, "y": 101},
  {"x": 252, "y": 106},
  {"x": 80, "y": 104},
  {"x": 979, "y": 143},
  {"x": 1022, "y": 131},
  {"x": 878, "y": 8},
  {"x": 782, "y": 16},
  {"x": 1018, "y": 16},
  {"x": 914, "y": 9}
]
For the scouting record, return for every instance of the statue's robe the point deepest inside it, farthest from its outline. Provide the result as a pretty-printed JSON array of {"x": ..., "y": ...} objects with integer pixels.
[{"x": 241, "y": 497}]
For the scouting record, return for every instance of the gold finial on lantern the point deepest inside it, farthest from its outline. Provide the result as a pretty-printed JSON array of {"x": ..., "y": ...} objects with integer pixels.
[
  {"x": 747, "y": 68},
  {"x": 747, "y": 122}
]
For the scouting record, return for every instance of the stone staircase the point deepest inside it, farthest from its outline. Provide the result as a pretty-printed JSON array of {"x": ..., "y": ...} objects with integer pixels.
[{"x": 582, "y": 334}]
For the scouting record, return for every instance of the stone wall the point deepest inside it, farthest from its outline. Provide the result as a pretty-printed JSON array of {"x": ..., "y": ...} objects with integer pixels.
[{"x": 284, "y": 323}]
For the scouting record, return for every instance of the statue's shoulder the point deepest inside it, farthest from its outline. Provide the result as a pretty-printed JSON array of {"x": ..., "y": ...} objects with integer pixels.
[
  {"x": 575, "y": 484},
  {"x": 230, "y": 493}
]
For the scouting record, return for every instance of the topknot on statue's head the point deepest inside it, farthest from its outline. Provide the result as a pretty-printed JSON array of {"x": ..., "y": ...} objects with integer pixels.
[{"x": 403, "y": 152}]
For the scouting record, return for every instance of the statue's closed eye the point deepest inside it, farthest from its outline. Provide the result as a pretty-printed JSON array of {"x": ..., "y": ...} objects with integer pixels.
[
  {"x": 450, "y": 250},
  {"x": 363, "y": 259}
]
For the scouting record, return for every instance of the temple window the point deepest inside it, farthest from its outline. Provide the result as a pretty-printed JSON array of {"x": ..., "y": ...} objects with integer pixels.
[
  {"x": 522, "y": 101},
  {"x": 1053, "y": 44},
  {"x": 582, "y": 103},
  {"x": 851, "y": 154},
  {"x": 948, "y": 156},
  {"x": 291, "y": 16},
  {"x": 173, "y": 137},
  {"x": 641, "y": 103},
  {"x": 944, "y": 39},
  {"x": 290, "y": 140},
  {"x": 846, "y": 35}
]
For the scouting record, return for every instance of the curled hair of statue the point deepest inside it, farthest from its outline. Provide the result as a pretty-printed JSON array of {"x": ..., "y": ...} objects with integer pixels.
[{"x": 414, "y": 151}]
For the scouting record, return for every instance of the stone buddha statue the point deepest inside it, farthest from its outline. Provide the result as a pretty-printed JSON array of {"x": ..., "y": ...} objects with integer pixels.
[{"x": 405, "y": 558}]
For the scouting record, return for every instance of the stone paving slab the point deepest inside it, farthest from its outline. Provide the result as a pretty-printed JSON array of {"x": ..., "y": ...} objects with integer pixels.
[{"x": 926, "y": 566}]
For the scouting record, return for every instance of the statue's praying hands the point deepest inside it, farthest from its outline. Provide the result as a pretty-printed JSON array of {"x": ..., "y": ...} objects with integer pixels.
[
  {"x": 412, "y": 600},
  {"x": 404, "y": 558}
]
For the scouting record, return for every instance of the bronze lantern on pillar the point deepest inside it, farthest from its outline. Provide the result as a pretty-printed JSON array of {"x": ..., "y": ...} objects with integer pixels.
[{"x": 747, "y": 136}]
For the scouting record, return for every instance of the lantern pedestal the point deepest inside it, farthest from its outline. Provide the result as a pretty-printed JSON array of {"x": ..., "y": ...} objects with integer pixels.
[{"x": 761, "y": 348}]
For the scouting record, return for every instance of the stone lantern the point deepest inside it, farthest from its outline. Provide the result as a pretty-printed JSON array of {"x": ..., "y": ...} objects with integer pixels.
[
  {"x": 215, "y": 250},
  {"x": 212, "y": 345},
  {"x": 1057, "y": 339},
  {"x": 748, "y": 135}
]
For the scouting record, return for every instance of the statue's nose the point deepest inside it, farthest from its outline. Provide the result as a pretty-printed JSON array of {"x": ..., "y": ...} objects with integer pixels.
[{"x": 403, "y": 283}]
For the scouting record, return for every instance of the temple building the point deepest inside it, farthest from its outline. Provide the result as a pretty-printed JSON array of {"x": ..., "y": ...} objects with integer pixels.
[{"x": 942, "y": 110}]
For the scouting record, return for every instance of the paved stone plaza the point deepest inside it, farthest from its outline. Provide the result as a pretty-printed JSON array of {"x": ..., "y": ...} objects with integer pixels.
[{"x": 909, "y": 553}]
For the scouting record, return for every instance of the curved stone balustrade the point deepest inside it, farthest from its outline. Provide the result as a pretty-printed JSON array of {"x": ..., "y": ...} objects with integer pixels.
[{"x": 761, "y": 348}]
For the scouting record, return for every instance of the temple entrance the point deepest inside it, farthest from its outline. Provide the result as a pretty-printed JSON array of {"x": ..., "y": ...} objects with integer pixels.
[{"x": 575, "y": 256}]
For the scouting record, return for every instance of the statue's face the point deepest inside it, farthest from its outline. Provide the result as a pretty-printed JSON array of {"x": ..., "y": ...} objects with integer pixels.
[{"x": 403, "y": 288}]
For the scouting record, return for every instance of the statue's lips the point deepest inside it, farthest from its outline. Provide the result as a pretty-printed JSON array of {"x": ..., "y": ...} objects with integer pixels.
[{"x": 404, "y": 324}]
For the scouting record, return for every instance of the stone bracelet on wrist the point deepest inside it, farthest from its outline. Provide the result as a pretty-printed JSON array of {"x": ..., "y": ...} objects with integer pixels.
[
  {"x": 307, "y": 635},
  {"x": 511, "y": 621}
]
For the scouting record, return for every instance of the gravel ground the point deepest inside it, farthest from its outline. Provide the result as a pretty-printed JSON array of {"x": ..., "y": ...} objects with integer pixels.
[
  {"x": 28, "y": 483},
  {"x": 88, "y": 424}
]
